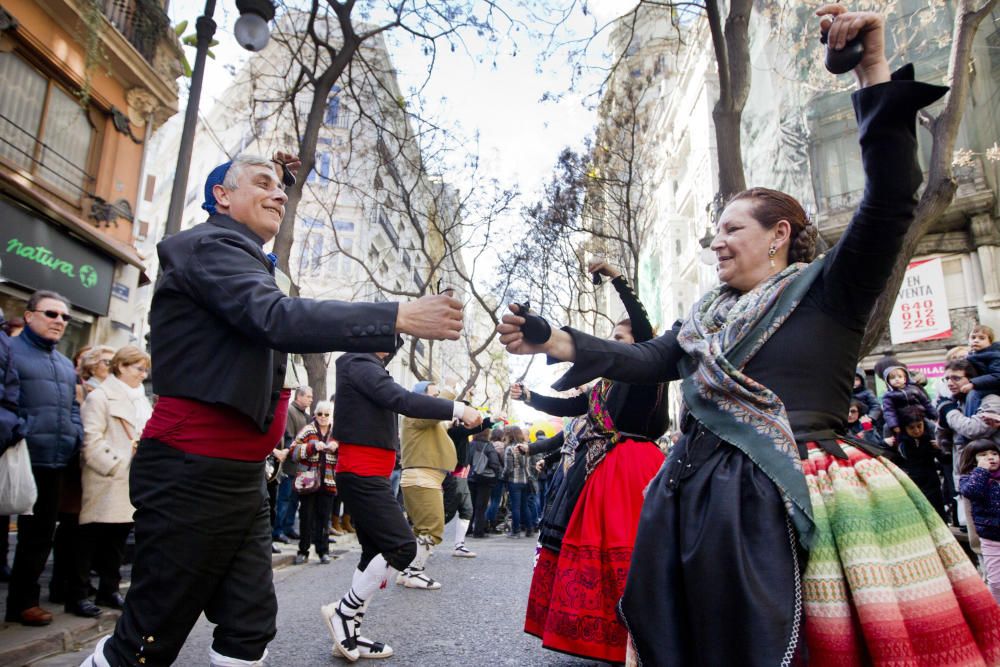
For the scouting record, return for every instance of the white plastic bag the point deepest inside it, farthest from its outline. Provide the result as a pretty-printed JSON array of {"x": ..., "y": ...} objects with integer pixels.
[{"x": 17, "y": 485}]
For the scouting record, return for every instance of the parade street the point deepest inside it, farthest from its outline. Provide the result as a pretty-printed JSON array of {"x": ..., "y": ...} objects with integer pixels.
[{"x": 476, "y": 617}]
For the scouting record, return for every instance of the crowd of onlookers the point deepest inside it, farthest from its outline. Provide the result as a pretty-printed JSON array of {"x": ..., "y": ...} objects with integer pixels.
[
  {"x": 945, "y": 435},
  {"x": 80, "y": 421}
]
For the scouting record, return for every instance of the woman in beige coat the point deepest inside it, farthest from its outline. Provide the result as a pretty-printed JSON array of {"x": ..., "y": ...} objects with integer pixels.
[{"x": 113, "y": 417}]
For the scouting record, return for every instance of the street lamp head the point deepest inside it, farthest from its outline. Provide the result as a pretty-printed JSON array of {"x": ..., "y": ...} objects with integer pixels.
[{"x": 251, "y": 29}]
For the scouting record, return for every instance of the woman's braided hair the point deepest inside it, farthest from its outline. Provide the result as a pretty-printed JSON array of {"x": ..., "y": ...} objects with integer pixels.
[{"x": 770, "y": 206}]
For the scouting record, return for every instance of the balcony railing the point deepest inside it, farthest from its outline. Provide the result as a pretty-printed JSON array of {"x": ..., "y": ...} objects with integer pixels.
[
  {"x": 25, "y": 150},
  {"x": 142, "y": 22},
  {"x": 968, "y": 178}
]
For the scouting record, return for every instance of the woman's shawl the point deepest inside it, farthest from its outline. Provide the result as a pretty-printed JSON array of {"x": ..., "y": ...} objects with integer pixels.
[{"x": 725, "y": 329}]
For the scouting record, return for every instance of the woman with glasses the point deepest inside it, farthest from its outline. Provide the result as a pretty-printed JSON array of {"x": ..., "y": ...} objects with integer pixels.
[
  {"x": 95, "y": 366},
  {"x": 114, "y": 415},
  {"x": 316, "y": 454}
]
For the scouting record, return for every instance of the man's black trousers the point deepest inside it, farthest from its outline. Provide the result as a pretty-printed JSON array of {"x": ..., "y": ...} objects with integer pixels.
[
  {"x": 379, "y": 522},
  {"x": 202, "y": 543}
]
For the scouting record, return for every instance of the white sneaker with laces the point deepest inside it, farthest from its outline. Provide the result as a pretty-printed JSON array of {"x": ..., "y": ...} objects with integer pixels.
[
  {"x": 343, "y": 632},
  {"x": 417, "y": 579},
  {"x": 461, "y": 551}
]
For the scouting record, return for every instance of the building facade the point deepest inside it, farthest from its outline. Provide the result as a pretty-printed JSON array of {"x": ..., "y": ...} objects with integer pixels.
[{"x": 84, "y": 84}]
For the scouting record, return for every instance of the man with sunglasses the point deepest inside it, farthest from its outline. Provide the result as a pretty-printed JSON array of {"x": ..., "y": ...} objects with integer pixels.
[
  {"x": 220, "y": 332},
  {"x": 47, "y": 404}
]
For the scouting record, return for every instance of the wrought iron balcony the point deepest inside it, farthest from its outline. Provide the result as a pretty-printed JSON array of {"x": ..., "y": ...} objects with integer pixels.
[{"x": 142, "y": 22}]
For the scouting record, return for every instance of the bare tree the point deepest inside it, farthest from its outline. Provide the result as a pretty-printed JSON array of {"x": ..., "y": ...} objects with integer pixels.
[{"x": 940, "y": 185}]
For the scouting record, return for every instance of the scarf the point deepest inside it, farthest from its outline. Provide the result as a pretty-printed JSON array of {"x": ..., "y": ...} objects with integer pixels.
[
  {"x": 595, "y": 431},
  {"x": 725, "y": 329}
]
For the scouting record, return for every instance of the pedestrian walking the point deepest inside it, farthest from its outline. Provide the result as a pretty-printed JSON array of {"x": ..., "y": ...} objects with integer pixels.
[
  {"x": 485, "y": 473},
  {"x": 755, "y": 478}
]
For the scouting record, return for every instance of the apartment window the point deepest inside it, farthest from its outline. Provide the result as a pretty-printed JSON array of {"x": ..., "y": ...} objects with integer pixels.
[
  {"x": 837, "y": 171},
  {"x": 321, "y": 169},
  {"x": 150, "y": 188},
  {"x": 333, "y": 107},
  {"x": 383, "y": 222},
  {"x": 43, "y": 129},
  {"x": 311, "y": 255},
  {"x": 345, "y": 239}
]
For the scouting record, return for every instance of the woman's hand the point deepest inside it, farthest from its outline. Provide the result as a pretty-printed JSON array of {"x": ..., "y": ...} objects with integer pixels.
[
  {"x": 601, "y": 266},
  {"x": 842, "y": 26},
  {"x": 558, "y": 346}
]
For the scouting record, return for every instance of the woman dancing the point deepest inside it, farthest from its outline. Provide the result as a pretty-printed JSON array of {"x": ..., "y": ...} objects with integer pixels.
[
  {"x": 760, "y": 485},
  {"x": 588, "y": 530}
]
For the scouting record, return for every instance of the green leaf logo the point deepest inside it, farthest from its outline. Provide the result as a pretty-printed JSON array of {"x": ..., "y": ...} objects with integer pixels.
[{"x": 88, "y": 275}]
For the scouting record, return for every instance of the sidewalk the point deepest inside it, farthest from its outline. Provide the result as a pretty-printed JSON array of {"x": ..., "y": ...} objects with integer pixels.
[{"x": 21, "y": 646}]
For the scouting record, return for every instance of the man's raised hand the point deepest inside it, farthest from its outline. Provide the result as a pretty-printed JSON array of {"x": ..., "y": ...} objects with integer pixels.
[{"x": 435, "y": 317}]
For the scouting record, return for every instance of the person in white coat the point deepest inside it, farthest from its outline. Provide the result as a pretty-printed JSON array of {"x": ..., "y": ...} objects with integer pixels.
[{"x": 113, "y": 417}]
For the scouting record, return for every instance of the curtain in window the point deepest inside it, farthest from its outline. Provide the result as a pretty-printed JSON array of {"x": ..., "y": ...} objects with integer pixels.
[
  {"x": 21, "y": 104},
  {"x": 67, "y": 142}
]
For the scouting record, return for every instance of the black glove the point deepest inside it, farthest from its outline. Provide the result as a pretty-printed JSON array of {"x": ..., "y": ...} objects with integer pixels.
[{"x": 536, "y": 329}]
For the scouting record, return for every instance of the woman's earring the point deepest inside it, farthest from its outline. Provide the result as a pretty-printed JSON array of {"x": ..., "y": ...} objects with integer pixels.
[{"x": 771, "y": 253}]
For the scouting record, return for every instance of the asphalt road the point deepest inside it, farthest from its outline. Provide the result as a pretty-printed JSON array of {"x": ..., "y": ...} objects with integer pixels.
[{"x": 474, "y": 619}]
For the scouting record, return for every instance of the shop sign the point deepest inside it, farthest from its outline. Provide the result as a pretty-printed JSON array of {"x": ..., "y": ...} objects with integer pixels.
[
  {"x": 921, "y": 310},
  {"x": 39, "y": 255}
]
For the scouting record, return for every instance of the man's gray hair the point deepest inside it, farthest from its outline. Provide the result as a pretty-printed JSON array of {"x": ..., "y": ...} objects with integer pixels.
[
  {"x": 301, "y": 391},
  {"x": 240, "y": 162}
]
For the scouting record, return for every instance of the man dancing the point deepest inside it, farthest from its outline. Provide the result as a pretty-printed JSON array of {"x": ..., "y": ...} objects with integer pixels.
[
  {"x": 365, "y": 425},
  {"x": 220, "y": 332}
]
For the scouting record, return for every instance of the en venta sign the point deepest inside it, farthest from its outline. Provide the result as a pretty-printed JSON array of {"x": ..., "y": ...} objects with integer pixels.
[
  {"x": 921, "y": 310},
  {"x": 38, "y": 255}
]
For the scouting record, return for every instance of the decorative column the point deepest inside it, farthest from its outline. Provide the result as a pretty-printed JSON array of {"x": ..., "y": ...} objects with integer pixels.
[{"x": 986, "y": 240}]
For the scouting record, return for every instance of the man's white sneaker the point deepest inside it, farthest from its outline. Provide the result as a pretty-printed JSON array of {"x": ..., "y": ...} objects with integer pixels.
[
  {"x": 373, "y": 649},
  {"x": 462, "y": 552},
  {"x": 342, "y": 630},
  {"x": 402, "y": 576},
  {"x": 417, "y": 579}
]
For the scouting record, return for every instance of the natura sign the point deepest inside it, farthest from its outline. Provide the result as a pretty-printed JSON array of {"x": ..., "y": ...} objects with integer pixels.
[{"x": 38, "y": 255}]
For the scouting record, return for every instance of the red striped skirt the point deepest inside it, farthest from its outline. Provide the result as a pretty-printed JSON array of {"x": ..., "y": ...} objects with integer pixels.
[{"x": 574, "y": 594}]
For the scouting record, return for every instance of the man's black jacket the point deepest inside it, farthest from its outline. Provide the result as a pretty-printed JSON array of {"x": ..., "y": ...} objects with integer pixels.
[
  {"x": 221, "y": 328},
  {"x": 368, "y": 400}
]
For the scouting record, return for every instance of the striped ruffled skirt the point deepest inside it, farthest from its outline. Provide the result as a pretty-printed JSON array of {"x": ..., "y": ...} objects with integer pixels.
[{"x": 886, "y": 582}]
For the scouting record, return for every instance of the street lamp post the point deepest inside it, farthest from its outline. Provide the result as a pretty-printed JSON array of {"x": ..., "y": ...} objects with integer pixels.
[{"x": 252, "y": 34}]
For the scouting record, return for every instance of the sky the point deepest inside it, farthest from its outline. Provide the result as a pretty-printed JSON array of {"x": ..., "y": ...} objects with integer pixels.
[{"x": 519, "y": 136}]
